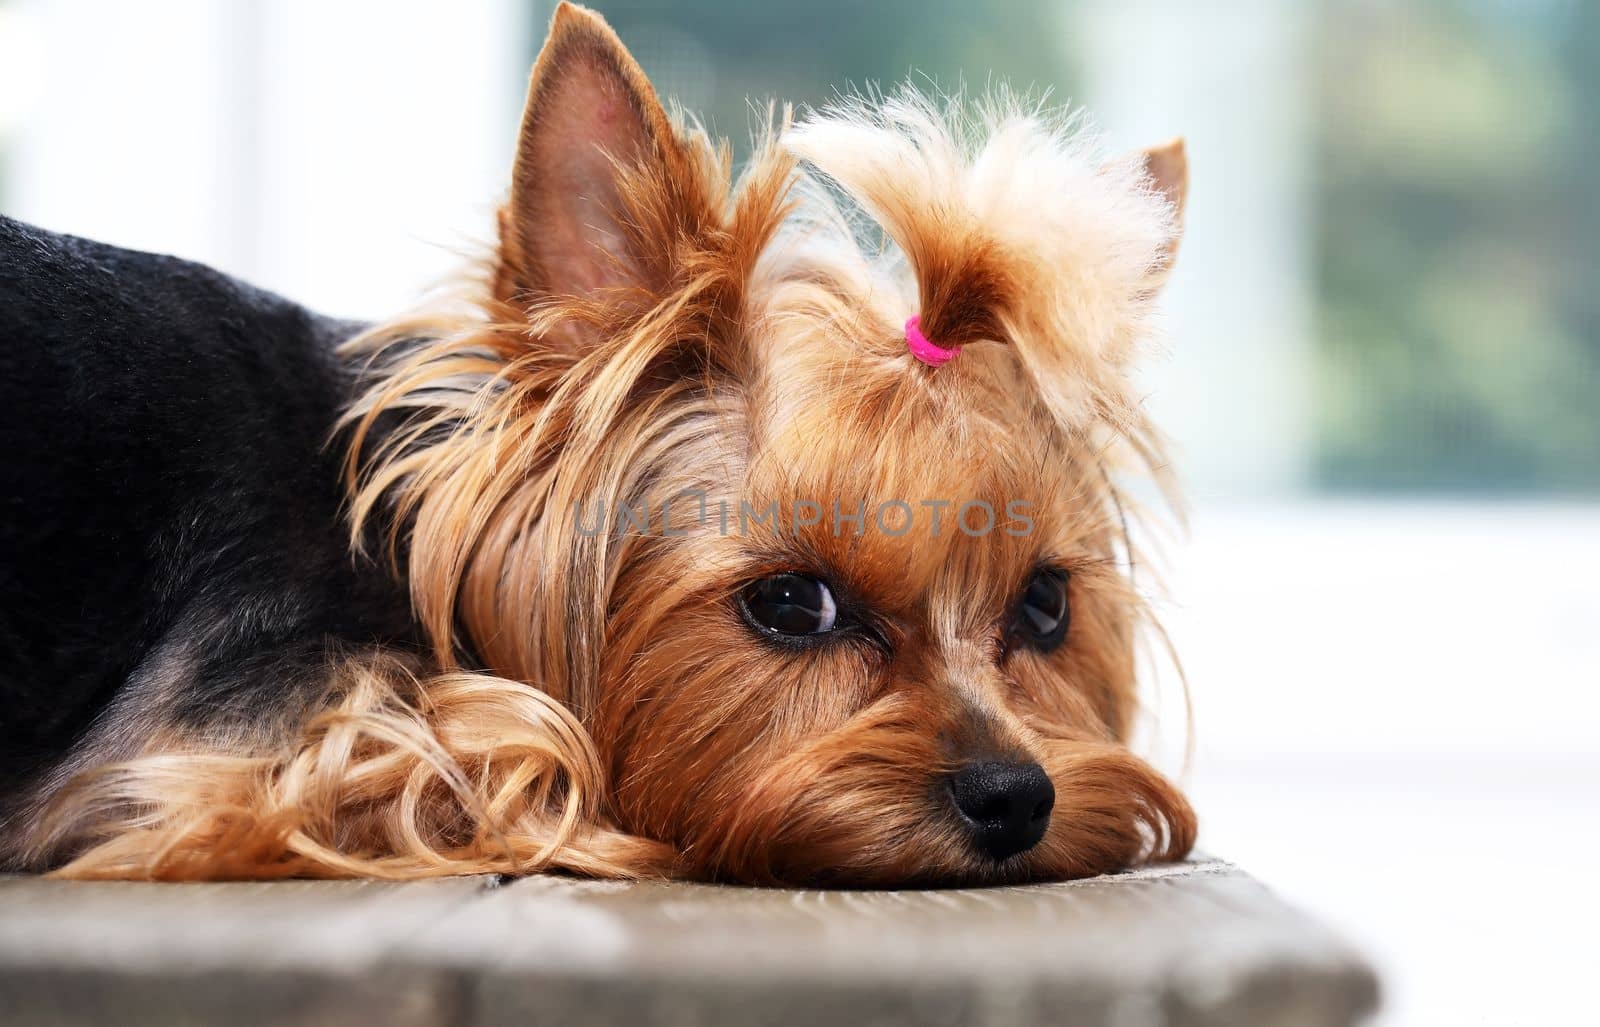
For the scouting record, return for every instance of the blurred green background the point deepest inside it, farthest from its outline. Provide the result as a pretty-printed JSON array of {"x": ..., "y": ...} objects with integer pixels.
[{"x": 1457, "y": 254}]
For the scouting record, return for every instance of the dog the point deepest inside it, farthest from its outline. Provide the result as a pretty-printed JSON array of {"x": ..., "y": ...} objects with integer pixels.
[{"x": 766, "y": 530}]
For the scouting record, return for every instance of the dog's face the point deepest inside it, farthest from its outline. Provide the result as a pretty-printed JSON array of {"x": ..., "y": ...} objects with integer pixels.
[
  {"x": 918, "y": 668},
  {"x": 844, "y": 617}
]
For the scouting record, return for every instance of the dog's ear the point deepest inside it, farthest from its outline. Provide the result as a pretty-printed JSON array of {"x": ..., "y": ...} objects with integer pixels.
[
  {"x": 1166, "y": 168},
  {"x": 593, "y": 136}
]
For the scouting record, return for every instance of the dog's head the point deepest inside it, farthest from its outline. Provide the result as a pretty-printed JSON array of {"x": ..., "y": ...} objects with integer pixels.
[{"x": 829, "y": 612}]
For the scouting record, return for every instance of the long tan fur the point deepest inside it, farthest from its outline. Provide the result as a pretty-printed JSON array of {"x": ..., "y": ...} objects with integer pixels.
[{"x": 587, "y": 701}]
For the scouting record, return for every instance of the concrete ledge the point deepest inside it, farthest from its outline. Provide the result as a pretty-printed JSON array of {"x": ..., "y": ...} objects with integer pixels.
[{"x": 1200, "y": 943}]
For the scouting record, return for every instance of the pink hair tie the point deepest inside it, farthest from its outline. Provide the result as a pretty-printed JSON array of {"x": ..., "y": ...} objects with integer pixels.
[{"x": 925, "y": 351}]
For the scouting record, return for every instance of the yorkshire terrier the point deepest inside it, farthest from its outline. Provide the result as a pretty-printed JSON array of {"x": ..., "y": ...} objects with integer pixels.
[{"x": 763, "y": 530}]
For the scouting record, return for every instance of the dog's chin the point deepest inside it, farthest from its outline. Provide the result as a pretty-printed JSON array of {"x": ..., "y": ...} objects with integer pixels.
[{"x": 876, "y": 823}]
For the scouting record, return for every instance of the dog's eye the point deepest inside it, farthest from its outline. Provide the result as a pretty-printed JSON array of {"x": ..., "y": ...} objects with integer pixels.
[
  {"x": 790, "y": 604},
  {"x": 1043, "y": 615}
]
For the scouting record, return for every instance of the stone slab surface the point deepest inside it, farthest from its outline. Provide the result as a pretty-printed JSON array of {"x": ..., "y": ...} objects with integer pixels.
[{"x": 1199, "y": 943}]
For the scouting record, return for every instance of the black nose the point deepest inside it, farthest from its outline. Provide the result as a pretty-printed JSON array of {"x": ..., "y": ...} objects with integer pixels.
[{"x": 1005, "y": 805}]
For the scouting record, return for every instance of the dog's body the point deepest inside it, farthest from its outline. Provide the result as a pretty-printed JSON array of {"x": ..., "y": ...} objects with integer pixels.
[
  {"x": 284, "y": 595},
  {"x": 172, "y": 542}
]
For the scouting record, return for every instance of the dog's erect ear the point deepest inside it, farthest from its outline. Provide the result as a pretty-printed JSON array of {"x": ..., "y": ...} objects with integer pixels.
[
  {"x": 592, "y": 126},
  {"x": 1166, "y": 167}
]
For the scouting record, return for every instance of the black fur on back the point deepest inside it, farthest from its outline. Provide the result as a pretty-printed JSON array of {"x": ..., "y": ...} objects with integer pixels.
[{"x": 165, "y": 464}]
